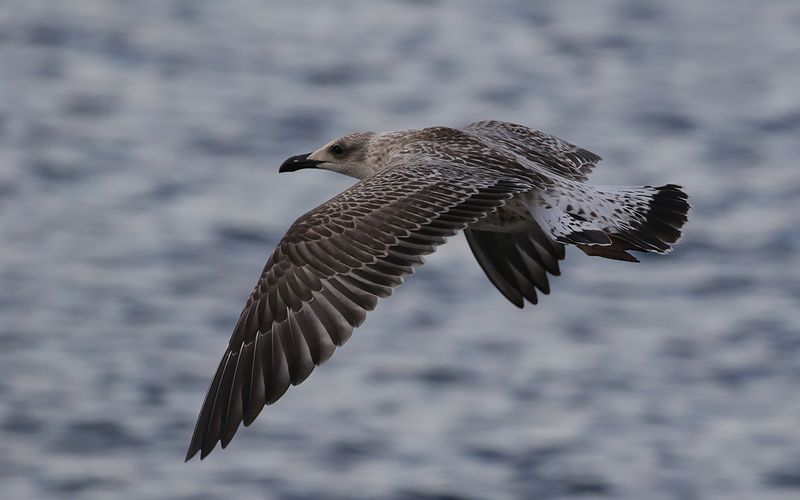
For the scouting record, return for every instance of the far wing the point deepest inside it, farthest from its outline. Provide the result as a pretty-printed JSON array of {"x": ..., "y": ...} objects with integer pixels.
[{"x": 555, "y": 155}]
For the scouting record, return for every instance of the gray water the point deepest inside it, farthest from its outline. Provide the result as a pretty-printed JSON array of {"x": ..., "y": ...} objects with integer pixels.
[{"x": 139, "y": 199}]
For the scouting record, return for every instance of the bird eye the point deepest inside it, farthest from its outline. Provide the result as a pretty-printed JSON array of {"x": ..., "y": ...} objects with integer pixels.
[{"x": 337, "y": 150}]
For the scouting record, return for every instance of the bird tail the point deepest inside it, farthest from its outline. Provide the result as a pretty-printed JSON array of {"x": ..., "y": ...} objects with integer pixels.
[{"x": 607, "y": 221}]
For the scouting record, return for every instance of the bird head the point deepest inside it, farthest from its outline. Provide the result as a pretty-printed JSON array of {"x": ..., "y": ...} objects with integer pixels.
[{"x": 348, "y": 155}]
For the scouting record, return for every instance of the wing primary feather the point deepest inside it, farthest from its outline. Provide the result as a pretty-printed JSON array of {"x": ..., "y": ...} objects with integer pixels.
[
  {"x": 220, "y": 404},
  {"x": 275, "y": 370},
  {"x": 338, "y": 328},
  {"x": 247, "y": 375},
  {"x": 298, "y": 357},
  {"x": 494, "y": 269},
  {"x": 319, "y": 342},
  {"x": 233, "y": 414},
  {"x": 201, "y": 427},
  {"x": 350, "y": 311},
  {"x": 258, "y": 392}
]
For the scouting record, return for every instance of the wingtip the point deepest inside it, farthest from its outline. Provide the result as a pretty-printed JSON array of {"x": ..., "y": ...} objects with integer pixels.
[
  {"x": 198, "y": 445},
  {"x": 194, "y": 446},
  {"x": 204, "y": 452}
]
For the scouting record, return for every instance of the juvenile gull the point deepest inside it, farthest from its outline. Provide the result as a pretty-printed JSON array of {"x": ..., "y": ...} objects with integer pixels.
[{"x": 518, "y": 194}]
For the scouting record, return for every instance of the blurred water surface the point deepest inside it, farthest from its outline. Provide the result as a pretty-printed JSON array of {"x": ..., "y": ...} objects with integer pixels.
[{"x": 139, "y": 199}]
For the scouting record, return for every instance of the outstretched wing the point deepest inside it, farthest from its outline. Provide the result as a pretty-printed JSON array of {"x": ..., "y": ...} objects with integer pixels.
[
  {"x": 555, "y": 155},
  {"x": 330, "y": 268}
]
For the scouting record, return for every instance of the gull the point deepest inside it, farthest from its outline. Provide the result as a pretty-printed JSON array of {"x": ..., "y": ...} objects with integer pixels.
[{"x": 519, "y": 195}]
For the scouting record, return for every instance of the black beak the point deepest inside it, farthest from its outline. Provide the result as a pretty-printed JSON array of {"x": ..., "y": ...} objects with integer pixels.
[{"x": 298, "y": 162}]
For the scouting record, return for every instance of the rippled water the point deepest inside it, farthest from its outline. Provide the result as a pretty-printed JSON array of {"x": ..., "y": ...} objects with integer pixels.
[{"x": 139, "y": 199}]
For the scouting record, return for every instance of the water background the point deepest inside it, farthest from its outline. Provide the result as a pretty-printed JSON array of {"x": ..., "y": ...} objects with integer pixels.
[{"x": 139, "y": 200}]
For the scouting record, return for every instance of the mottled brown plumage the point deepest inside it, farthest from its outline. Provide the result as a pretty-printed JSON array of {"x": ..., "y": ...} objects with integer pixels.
[{"x": 517, "y": 193}]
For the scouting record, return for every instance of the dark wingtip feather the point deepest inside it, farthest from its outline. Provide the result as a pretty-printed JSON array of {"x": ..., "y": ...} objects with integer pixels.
[
  {"x": 515, "y": 263},
  {"x": 204, "y": 418},
  {"x": 205, "y": 451}
]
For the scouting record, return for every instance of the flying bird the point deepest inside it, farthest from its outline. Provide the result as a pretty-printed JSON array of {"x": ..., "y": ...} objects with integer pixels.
[{"x": 519, "y": 195}]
